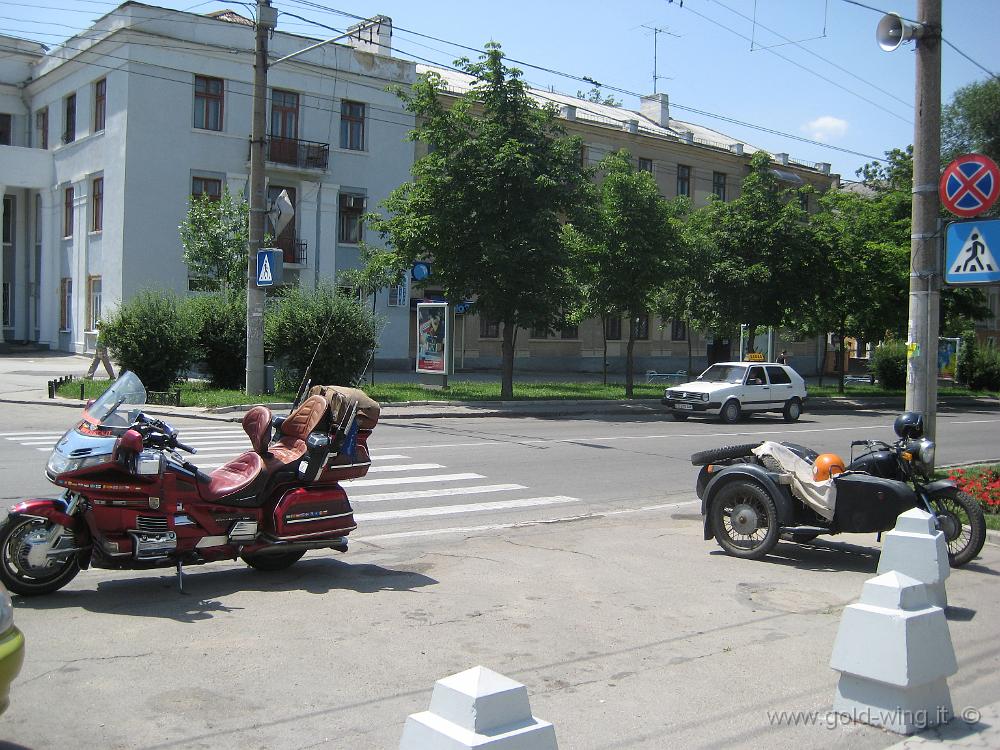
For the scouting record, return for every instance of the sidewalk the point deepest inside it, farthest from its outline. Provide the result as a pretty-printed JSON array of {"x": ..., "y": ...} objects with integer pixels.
[{"x": 24, "y": 378}]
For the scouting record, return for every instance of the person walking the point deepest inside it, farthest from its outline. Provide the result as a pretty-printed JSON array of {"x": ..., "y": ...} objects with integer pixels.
[{"x": 100, "y": 356}]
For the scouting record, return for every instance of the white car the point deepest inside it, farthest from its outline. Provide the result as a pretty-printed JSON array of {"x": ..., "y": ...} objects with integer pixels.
[{"x": 734, "y": 389}]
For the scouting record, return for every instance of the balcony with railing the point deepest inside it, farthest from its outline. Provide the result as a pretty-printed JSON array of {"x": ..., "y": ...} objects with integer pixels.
[
  {"x": 293, "y": 251},
  {"x": 297, "y": 153}
]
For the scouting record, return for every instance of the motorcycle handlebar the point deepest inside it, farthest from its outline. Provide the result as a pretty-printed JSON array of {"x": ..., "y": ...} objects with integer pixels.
[{"x": 183, "y": 447}]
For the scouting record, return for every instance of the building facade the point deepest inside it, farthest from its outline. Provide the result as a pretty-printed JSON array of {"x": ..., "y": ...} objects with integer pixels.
[{"x": 104, "y": 140}]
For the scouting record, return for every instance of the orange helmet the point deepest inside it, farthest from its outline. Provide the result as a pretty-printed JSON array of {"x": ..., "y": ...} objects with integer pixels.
[{"x": 827, "y": 466}]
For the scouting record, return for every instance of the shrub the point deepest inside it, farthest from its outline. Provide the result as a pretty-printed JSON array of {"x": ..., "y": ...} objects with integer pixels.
[
  {"x": 888, "y": 363},
  {"x": 299, "y": 319},
  {"x": 967, "y": 356},
  {"x": 982, "y": 483},
  {"x": 151, "y": 335},
  {"x": 985, "y": 374},
  {"x": 219, "y": 323}
]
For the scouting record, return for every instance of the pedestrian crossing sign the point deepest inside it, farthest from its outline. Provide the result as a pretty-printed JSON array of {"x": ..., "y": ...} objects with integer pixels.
[
  {"x": 971, "y": 252},
  {"x": 269, "y": 266}
]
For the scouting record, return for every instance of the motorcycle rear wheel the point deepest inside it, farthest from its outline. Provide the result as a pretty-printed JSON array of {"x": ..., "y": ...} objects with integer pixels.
[
  {"x": 744, "y": 520},
  {"x": 18, "y": 573},
  {"x": 270, "y": 562},
  {"x": 961, "y": 519}
]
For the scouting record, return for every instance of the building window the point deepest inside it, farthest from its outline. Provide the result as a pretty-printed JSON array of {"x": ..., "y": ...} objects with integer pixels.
[
  {"x": 645, "y": 165},
  {"x": 640, "y": 327},
  {"x": 719, "y": 184},
  {"x": 7, "y": 305},
  {"x": 100, "y": 100},
  {"x": 569, "y": 332},
  {"x": 678, "y": 330},
  {"x": 7, "y": 209},
  {"x": 613, "y": 328},
  {"x": 352, "y": 125},
  {"x": 804, "y": 201},
  {"x": 68, "y": 212},
  {"x": 65, "y": 304},
  {"x": 97, "y": 201},
  {"x": 584, "y": 155},
  {"x": 683, "y": 179},
  {"x": 208, "y": 100},
  {"x": 93, "y": 302},
  {"x": 284, "y": 114},
  {"x": 69, "y": 119},
  {"x": 397, "y": 295},
  {"x": 42, "y": 127},
  {"x": 539, "y": 333},
  {"x": 352, "y": 207},
  {"x": 210, "y": 186},
  {"x": 489, "y": 329},
  {"x": 6, "y": 130}
]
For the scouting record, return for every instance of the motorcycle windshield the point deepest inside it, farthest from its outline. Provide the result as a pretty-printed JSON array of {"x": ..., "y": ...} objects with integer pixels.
[{"x": 118, "y": 406}]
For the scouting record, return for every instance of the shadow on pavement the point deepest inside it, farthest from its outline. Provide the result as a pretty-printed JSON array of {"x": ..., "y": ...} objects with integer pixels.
[
  {"x": 154, "y": 593},
  {"x": 823, "y": 556}
]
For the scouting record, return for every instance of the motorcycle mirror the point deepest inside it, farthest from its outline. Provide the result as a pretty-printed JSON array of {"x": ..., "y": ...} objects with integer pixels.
[
  {"x": 90, "y": 402},
  {"x": 128, "y": 443}
]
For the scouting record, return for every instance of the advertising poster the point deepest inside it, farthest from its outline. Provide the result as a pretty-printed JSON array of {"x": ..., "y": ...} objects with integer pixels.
[
  {"x": 947, "y": 357},
  {"x": 432, "y": 337}
]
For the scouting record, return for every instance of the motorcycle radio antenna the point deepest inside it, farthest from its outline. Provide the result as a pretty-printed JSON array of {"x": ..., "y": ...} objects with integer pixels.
[{"x": 305, "y": 376}]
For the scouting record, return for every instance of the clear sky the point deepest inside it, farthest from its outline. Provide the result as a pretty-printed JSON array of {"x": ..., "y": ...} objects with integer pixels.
[{"x": 808, "y": 68}]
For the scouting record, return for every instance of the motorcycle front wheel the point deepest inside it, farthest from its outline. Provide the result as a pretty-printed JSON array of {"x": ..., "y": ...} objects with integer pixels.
[
  {"x": 744, "y": 520},
  {"x": 32, "y": 574},
  {"x": 960, "y": 517}
]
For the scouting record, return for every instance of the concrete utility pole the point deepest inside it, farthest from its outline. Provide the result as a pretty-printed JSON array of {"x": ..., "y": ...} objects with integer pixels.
[
  {"x": 266, "y": 20},
  {"x": 925, "y": 263}
]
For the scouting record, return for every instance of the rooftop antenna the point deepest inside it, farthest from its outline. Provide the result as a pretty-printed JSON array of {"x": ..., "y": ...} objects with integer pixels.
[{"x": 656, "y": 35}]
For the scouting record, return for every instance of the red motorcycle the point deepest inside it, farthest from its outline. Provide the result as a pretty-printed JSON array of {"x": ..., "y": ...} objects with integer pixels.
[{"x": 132, "y": 502}]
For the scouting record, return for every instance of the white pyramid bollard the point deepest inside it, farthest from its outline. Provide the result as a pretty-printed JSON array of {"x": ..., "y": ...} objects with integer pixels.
[
  {"x": 916, "y": 548},
  {"x": 478, "y": 708},
  {"x": 894, "y": 653}
]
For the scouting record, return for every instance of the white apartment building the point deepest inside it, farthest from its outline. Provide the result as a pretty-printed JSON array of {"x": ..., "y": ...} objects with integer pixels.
[{"x": 104, "y": 139}]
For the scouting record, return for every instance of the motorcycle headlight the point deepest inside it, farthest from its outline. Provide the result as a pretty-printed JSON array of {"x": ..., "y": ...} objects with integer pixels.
[
  {"x": 61, "y": 464},
  {"x": 924, "y": 455}
]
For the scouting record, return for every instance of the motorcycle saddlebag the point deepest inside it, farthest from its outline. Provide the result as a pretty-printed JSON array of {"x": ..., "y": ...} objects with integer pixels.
[
  {"x": 869, "y": 504},
  {"x": 309, "y": 512}
]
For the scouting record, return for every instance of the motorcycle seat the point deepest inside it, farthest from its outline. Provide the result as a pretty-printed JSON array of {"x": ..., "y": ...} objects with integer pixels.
[
  {"x": 232, "y": 477},
  {"x": 294, "y": 430}
]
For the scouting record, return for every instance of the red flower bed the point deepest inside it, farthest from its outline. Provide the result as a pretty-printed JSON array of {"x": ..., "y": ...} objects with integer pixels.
[{"x": 982, "y": 483}]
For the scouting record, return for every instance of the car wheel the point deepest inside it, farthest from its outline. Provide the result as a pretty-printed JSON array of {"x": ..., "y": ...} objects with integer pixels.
[
  {"x": 744, "y": 520},
  {"x": 792, "y": 410},
  {"x": 679, "y": 416},
  {"x": 731, "y": 412}
]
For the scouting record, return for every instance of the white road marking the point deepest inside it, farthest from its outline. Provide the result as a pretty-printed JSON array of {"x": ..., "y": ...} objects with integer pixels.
[
  {"x": 513, "y": 525},
  {"x": 443, "y": 492},
  {"x": 447, "y": 510},
  {"x": 405, "y": 467},
  {"x": 349, "y": 484}
]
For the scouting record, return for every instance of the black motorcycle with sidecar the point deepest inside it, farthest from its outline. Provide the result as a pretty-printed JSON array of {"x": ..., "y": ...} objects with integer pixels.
[{"x": 754, "y": 494}]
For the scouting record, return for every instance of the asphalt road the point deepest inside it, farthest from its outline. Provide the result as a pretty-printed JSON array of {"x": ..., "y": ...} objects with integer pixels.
[{"x": 628, "y": 628}]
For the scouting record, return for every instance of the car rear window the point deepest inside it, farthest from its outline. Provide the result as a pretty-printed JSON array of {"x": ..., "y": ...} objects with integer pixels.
[{"x": 778, "y": 375}]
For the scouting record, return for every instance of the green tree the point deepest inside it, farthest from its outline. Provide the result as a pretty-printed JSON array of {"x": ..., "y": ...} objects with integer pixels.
[
  {"x": 758, "y": 254},
  {"x": 596, "y": 96},
  {"x": 629, "y": 249},
  {"x": 971, "y": 122},
  {"x": 215, "y": 235},
  {"x": 486, "y": 203},
  {"x": 219, "y": 325}
]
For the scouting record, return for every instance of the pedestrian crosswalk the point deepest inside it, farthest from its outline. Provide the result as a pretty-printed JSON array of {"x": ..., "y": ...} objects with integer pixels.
[{"x": 397, "y": 488}]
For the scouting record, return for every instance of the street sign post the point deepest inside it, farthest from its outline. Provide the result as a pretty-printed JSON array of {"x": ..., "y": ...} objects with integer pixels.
[
  {"x": 970, "y": 185},
  {"x": 971, "y": 249}
]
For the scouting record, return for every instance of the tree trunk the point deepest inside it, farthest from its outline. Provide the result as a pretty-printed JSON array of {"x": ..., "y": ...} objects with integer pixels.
[
  {"x": 688, "y": 328},
  {"x": 842, "y": 366},
  {"x": 507, "y": 367},
  {"x": 822, "y": 362},
  {"x": 604, "y": 338},
  {"x": 751, "y": 337},
  {"x": 629, "y": 365}
]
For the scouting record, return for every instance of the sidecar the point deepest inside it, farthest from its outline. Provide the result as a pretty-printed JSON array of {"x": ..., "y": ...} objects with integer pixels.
[{"x": 755, "y": 494}]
